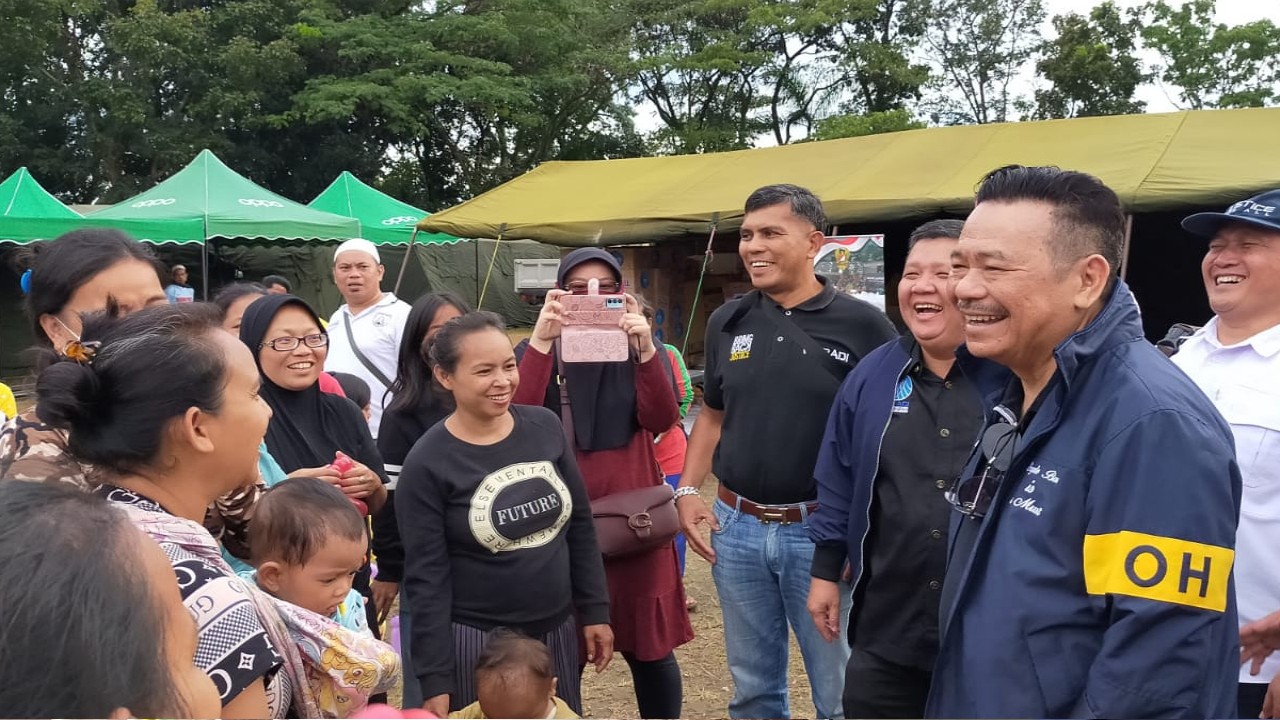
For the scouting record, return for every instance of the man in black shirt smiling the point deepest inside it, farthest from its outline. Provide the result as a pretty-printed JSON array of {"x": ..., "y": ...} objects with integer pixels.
[
  {"x": 774, "y": 361},
  {"x": 899, "y": 432}
]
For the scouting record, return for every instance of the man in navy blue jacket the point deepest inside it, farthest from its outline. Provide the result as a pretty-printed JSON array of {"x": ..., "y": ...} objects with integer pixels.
[
  {"x": 899, "y": 432},
  {"x": 1091, "y": 556}
]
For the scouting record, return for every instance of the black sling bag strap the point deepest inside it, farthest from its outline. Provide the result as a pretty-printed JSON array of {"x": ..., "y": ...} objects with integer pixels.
[
  {"x": 810, "y": 346},
  {"x": 351, "y": 338}
]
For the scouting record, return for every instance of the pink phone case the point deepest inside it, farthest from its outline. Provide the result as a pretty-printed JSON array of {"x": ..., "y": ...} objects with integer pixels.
[{"x": 591, "y": 332}]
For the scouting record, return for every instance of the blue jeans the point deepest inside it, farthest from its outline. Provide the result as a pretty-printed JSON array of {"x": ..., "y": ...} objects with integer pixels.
[
  {"x": 674, "y": 481},
  {"x": 762, "y": 578},
  {"x": 412, "y": 690}
]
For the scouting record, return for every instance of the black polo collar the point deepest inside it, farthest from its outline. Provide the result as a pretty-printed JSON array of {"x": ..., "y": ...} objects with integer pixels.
[{"x": 818, "y": 302}]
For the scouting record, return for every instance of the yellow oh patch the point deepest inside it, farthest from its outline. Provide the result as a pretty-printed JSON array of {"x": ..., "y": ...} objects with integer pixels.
[{"x": 1158, "y": 568}]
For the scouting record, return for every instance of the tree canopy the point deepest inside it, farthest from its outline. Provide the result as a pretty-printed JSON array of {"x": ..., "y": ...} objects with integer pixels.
[{"x": 435, "y": 101}]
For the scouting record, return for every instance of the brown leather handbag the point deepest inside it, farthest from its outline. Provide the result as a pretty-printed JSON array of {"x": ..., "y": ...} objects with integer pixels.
[
  {"x": 635, "y": 521},
  {"x": 630, "y": 522}
]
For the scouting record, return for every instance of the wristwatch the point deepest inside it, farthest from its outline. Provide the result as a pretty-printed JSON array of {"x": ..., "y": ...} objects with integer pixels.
[{"x": 686, "y": 490}]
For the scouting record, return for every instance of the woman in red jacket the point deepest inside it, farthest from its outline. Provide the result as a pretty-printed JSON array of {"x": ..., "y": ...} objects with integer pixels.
[{"x": 618, "y": 408}]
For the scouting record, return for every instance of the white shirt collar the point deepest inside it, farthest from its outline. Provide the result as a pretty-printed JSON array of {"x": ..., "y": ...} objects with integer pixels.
[
  {"x": 1265, "y": 343},
  {"x": 388, "y": 298}
]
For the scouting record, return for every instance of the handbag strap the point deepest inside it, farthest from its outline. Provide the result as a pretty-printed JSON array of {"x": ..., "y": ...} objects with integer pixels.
[
  {"x": 351, "y": 338},
  {"x": 566, "y": 411},
  {"x": 837, "y": 369}
]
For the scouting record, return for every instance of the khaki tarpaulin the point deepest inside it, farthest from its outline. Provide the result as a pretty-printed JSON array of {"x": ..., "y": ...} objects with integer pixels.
[{"x": 1154, "y": 162}]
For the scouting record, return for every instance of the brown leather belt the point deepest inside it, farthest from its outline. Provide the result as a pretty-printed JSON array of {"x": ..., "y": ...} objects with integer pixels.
[{"x": 785, "y": 514}]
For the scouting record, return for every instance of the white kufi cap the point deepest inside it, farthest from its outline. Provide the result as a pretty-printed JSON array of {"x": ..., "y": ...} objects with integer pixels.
[{"x": 358, "y": 245}]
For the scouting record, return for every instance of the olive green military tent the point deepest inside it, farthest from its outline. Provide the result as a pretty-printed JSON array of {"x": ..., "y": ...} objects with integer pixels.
[{"x": 1155, "y": 162}]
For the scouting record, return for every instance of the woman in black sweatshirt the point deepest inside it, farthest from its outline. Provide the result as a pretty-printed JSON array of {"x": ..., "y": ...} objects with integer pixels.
[{"x": 496, "y": 527}]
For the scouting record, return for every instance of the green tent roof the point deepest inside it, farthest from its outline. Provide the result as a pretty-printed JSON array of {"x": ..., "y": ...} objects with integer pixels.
[
  {"x": 30, "y": 213},
  {"x": 1154, "y": 162},
  {"x": 384, "y": 219},
  {"x": 228, "y": 205},
  {"x": 22, "y": 197}
]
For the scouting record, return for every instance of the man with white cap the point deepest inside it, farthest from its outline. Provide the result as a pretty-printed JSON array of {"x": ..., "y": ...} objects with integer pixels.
[
  {"x": 364, "y": 334},
  {"x": 1235, "y": 359}
]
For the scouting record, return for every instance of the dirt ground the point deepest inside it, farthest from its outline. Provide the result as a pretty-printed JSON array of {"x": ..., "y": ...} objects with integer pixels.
[{"x": 707, "y": 687}]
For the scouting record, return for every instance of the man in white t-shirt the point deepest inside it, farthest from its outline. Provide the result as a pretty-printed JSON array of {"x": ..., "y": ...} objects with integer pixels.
[
  {"x": 364, "y": 334},
  {"x": 1235, "y": 359}
]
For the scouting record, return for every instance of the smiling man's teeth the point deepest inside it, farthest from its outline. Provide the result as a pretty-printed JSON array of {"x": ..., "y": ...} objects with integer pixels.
[
  {"x": 925, "y": 307},
  {"x": 1228, "y": 279},
  {"x": 982, "y": 318},
  {"x": 760, "y": 264}
]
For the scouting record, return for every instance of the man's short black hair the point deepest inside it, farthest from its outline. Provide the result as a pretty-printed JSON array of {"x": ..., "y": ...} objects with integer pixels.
[
  {"x": 949, "y": 229},
  {"x": 1089, "y": 215},
  {"x": 280, "y": 280},
  {"x": 802, "y": 202}
]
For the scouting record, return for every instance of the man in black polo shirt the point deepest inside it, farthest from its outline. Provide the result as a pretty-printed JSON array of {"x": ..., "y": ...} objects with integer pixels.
[
  {"x": 774, "y": 361},
  {"x": 900, "y": 431}
]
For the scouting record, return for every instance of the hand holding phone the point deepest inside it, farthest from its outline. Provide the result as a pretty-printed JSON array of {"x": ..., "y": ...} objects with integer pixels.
[{"x": 591, "y": 327}]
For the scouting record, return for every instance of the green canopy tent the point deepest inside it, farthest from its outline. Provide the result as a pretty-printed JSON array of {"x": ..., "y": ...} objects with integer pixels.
[
  {"x": 385, "y": 220},
  {"x": 28, "y": 213},
  {"x": 228, "y": 205}
]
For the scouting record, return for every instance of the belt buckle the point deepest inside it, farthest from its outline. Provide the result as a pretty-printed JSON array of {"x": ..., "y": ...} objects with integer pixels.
[{"x": 774, "y": 514}]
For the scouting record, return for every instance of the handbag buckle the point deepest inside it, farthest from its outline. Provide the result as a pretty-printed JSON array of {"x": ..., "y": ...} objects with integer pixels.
[{"x": 640, "y": 521}]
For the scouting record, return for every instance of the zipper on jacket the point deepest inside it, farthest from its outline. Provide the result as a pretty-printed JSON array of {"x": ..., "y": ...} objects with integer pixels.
[{"x": 862, "y": 544}]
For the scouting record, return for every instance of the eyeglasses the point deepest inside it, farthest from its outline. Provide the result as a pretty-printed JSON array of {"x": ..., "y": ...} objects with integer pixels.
[
  {"x": 972, "y": 496},
  {"x": 285, "y": 344},
  {"x": 579, "y": 287}
]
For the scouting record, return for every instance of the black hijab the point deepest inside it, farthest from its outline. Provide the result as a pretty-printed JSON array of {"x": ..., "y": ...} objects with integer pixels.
[
  {"x": 603, "y": 394},
  {"x": 307, "y": 426}
]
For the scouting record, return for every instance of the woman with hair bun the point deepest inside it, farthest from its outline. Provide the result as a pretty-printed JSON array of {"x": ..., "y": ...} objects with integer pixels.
[
  {"x": 88, "y": 271},
  {"x": 164, "y": 453}
]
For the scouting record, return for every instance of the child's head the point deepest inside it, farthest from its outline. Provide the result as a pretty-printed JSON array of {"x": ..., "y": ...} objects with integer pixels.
[
  {"x": 514, "y": 676},
  {"x": 307, "y": 541},
  {"x": 356, "y": 390}
]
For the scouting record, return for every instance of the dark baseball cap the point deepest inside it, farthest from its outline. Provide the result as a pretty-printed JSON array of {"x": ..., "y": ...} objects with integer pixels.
[
  {"x": 587, "y": 254},
  {"x": 1260, "y": 210}
]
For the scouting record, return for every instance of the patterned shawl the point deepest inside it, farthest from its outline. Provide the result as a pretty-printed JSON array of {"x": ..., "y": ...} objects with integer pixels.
[{"x": 333, "y": 671}]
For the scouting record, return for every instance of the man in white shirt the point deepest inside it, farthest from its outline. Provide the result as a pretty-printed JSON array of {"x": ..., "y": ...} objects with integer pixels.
[
  {"x": 1235, "y": 359},
  {"x": 364, "y": 334}
]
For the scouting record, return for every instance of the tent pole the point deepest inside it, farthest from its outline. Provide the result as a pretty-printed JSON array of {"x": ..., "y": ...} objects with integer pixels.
[
  {"x": 1128, "y": 239},
  {"x": 702, "y": 274},
  {"x": 496, "y": 244},
  {"x": 204, "y": 265},
  {"x": 407, "y": 254}
]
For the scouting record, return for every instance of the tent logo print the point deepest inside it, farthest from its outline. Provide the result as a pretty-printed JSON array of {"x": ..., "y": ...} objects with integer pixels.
[
  {"x": 260, "y": 203},
  {"x": 155, "y": 202},
  {"x": 400, "y": 220}
]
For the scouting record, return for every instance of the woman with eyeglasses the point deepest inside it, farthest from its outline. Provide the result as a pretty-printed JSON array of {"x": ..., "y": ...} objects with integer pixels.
[
  {"x": 617, "y": 409},
  {"x": 310, "y": 430},
  {"x": 312, "y": 433}
]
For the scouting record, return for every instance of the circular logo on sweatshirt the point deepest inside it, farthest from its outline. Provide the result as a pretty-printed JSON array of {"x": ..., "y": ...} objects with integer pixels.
[{"x": 519, "y": 507}]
